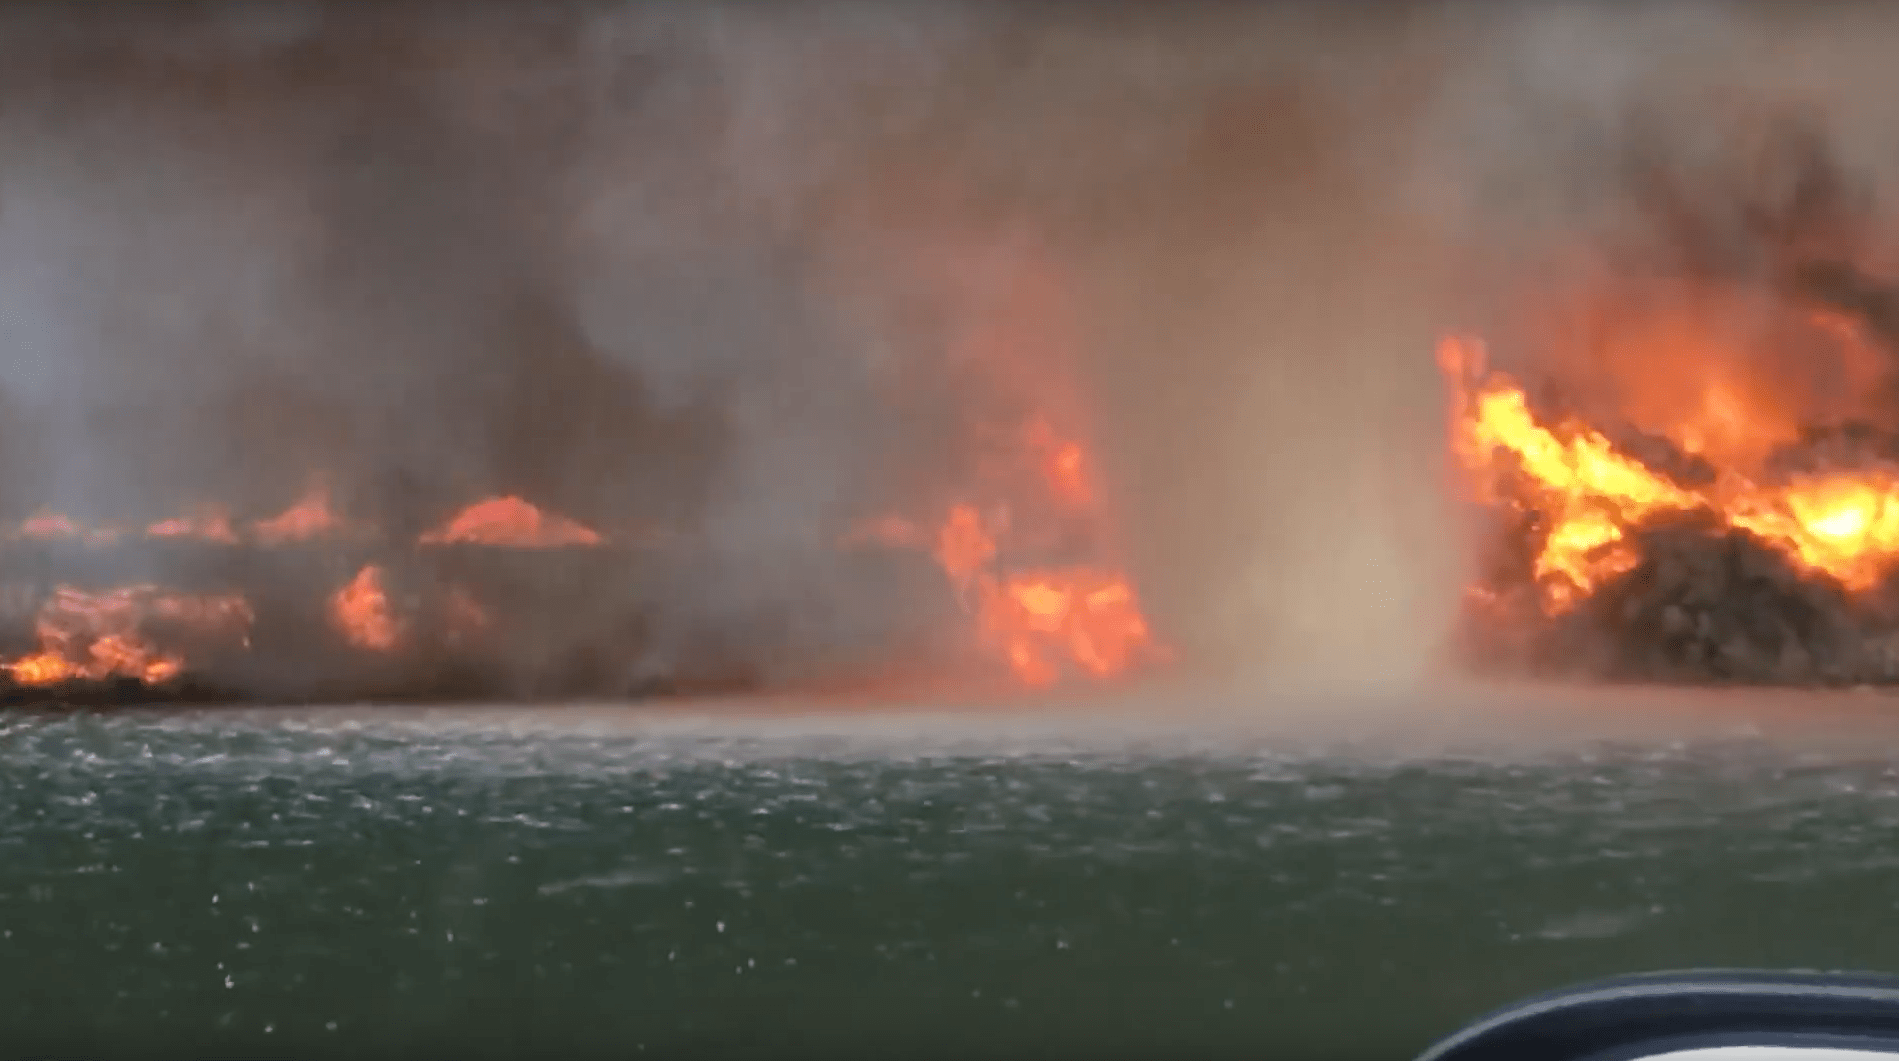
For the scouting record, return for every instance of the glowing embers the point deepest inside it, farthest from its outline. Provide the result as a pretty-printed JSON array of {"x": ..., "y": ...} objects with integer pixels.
[
  {"x": 510, "y": 521},
  {"x": 1586, "y": 494},
  {"x": 98, "y": 636}
]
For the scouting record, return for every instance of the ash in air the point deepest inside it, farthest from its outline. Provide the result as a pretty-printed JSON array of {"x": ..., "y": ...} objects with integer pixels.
[{"x": 585, "y": 348}]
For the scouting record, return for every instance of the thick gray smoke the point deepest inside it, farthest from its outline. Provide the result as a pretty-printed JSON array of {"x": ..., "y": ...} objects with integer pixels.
[{"x": 704, "y": 268}]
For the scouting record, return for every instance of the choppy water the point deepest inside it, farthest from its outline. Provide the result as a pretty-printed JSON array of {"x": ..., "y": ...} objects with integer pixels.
[{"x": 300, "y": 883}]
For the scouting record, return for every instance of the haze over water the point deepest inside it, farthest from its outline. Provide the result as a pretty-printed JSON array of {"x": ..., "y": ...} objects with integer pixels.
[{"x": 1083, "y": 881}]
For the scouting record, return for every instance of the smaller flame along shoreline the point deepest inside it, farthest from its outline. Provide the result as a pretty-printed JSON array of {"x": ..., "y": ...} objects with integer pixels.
[{"x": 506, "y": 601}]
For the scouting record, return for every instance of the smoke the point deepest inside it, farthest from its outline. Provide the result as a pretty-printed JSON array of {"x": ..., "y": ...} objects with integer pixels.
[
  {"x": 1703, "y": 140},
  {"x": 429, "y": 256},
  {"x": 711, "y": 268}
]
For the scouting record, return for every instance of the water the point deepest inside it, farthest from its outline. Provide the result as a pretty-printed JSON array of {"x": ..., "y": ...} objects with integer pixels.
[{"x": 500, "y": 883}]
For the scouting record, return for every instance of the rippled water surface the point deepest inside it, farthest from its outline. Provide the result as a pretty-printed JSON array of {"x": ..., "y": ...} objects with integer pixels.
[{"x": 233, "y": 881}]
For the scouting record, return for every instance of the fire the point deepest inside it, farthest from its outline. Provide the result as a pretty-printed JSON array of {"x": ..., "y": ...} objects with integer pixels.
[
  {"x": 96, "y": 636},
  {"x": 1023, "y": 539},
  {"x": 1587, "y": 493},
  {"x": 1063, "y": 463},
  {"x": 1041, "y": 611},
  {"x": 1844, "y": 525},
  {"x": 209, "y": 523},
  {"x": 87, "y": 636},
  {"x": 47, "y": 525},
  {"x": 510, "y": 521},
  {"x": 1585, "y": 489},
  {"x": 1086, "y": 615},
  {"x": 310, "y": 517},
  {"x": 504, "y": 521},
  {"x": 964, "y": 547},
  {"x": 361, "y": 613},
  {"x": 1043, "y": 621},
  {"x": 1018, "y": 533}
]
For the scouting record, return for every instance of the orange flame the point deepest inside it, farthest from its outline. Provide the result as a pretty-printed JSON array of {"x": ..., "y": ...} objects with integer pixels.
[
  {"x": 1041, "y": 619},
  {"x": 1045, "y": 621},
  {"x": 96, "y": 636},
  {"x": 310, "y": 517},
  {"x": 1086, "y": 615},
  {"x": 964, "y": 547},
  {"x": 1843, "y": 525},
  {"x": 361, "y": 613},
  {"x": 512, "y": 522},
  {"x": 208, "y": 523},
  {"x": 48, "y": 525}
]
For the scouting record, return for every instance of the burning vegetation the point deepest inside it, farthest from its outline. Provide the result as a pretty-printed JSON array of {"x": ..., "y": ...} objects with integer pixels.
[
  {"x": 437, "y": 616},
  {"x": 1047, "y": 620},
  {"x": 561, "y": 440},
  {"x": 995, "y": 562},
  {"x": 1687, "y": 464}
]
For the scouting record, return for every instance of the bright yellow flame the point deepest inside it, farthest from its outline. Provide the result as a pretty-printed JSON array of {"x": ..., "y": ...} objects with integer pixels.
[{"x": 1843, "y": 525}]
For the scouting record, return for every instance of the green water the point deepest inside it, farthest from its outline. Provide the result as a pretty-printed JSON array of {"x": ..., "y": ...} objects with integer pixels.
[{"x": 233, "y": 884}]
